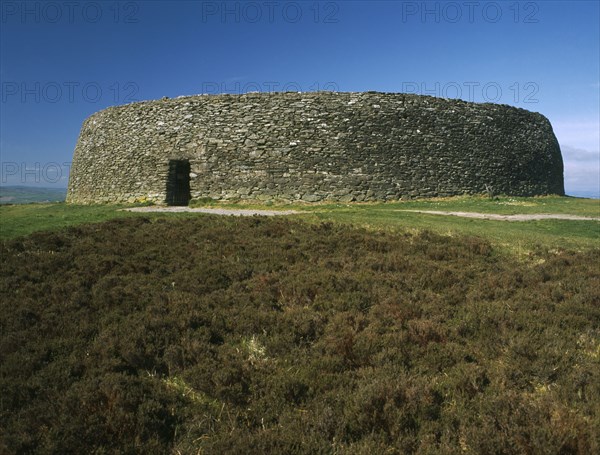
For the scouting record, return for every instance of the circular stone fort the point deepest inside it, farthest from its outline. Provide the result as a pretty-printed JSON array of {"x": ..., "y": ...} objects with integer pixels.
[{"x": 319, "y": 146}]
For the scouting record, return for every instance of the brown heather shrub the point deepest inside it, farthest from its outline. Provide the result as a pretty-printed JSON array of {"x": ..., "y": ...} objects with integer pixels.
[{"x": 234, "y": 336}]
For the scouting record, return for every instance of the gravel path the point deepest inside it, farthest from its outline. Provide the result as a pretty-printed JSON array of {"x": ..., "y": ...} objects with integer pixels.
[
  {"x": 253, "y": 212},
  {"x": 521, "y": 217},
  {"x": 234, "y": 212}
]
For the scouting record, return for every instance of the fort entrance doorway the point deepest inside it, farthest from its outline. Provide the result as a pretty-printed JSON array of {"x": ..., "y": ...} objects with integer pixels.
[{"x": 178, "y": 183}]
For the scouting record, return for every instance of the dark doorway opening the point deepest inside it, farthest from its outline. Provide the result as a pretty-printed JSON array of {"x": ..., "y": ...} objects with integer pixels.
[{"x": 178, "y": 183}]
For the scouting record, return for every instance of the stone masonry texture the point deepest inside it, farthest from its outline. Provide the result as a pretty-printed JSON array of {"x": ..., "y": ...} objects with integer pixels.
[{"x": 319, "y": 146}]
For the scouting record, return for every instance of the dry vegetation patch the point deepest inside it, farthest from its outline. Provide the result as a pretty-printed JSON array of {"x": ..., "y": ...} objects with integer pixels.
[{"x": 222, "y": 335}]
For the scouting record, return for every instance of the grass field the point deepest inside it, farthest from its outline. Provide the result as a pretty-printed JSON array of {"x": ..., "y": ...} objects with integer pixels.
[
  {"x": 516, "y": 237},
  {"x": 23, "y": 219}
]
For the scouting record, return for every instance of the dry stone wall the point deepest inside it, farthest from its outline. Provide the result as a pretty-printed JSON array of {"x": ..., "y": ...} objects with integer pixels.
[{"x": 314, "y": 147}]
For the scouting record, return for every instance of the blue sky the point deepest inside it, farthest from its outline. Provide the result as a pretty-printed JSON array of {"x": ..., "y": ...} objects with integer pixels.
[{"x": 61, "y": 61}]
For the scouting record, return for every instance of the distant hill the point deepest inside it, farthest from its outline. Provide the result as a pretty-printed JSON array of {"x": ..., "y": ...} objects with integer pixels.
[
  {"x": 591, "y": 194},
  {"x": 26, "y": 194}
]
